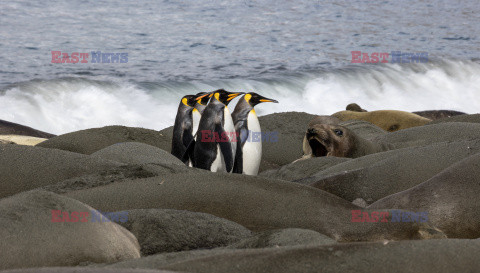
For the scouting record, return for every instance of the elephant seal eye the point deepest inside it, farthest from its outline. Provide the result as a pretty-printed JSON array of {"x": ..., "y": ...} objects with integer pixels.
[{"x": 338, "y": 132}]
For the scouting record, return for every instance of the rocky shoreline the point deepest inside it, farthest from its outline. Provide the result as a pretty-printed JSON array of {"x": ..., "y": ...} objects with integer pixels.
[{"x": 292, "y": 217}]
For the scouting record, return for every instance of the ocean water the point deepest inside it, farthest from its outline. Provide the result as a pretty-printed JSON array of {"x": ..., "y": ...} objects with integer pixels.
[{"x": 298, "y": 52}]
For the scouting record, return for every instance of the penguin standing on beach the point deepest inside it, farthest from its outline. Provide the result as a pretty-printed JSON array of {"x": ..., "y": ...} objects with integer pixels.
[
  {"x": 202, "y": 101},
  {"x": 215, "y": 144},
  {"x": 248, "y": 131},
  {"x": 183, "y": 128}
]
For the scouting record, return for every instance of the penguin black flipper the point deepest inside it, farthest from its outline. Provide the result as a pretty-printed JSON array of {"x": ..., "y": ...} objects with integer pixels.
[
  {"x": 189, "y": 152},
  {"x": 225, "y": 147},
  {"x": 187, "y": 137},
  {"x": 188, "y": 142},
  {"x": 242, "y": 136}
]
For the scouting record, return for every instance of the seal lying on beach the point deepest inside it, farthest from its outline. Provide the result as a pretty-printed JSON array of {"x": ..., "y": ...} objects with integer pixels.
[
  {"x": 431, "y": 256},
  {"x": 277, "y": 204},
  {"x": 389, "y": 120},
  {"x": 450, "y": 198},
  {"x": 473, "y": 118},
  {"x": 64, "y": 239},
  {"x": 336, "y": 140},
  {"x": 430, "y": 114},
  {"x": 375, "y": 176},
  {"x": 439, "y": 114}
]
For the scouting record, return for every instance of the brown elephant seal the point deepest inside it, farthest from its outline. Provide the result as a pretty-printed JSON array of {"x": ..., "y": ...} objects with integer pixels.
[
  {"x": 336, "y": 140},
  {"x": 324, "y": 120},
  {"x": 388, "y": 120},
  {"x": 355, "y": 107}
]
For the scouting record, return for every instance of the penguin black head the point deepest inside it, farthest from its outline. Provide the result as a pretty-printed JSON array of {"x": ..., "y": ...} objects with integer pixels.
[
  {"x": 202, "y": 98},
  {"x": 253, "y": 99},
  {"x": 189, "y": 100},
  {"x": 224, "y": 96}
]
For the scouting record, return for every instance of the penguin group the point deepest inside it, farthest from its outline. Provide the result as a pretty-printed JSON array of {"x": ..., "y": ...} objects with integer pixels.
[{"x": 207, "y": 136}]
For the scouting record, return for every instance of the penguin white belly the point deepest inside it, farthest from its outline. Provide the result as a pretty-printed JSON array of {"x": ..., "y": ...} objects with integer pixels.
[
  {"x": 228, "y": 126},
  {"x": 218, "y": 164},
  {"x": 196, "y": 116},
  {"x": 252, "y": 149}
]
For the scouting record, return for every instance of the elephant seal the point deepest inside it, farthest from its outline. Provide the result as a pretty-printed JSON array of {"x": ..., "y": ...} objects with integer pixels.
[
  {"x": 473, "y": 118},
  {"x": 376, "y": 176},
  {"x": 277, "y": 204},
  {"x": 10, "y": 128},
  {"x": 388, "y": 120},
  {"x": 450, "y": 198},
  {"x": 431, "y": 256},
  {"x": 439, "y": 114},
  {"x": 33, "y": 235},
  {"x": 355, "y": 107},
  {"x": 336, "y": 140}
]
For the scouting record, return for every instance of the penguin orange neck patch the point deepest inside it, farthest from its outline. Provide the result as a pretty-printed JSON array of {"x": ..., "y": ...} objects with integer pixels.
[
  {"x": 185, "y": 101},
  {"x": 248, "y": 97}
]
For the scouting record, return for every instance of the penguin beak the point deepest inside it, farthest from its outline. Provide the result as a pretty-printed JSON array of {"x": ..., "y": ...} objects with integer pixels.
[
  {"x": 267, "y": 100},
  {"x": 234, "y": 95},
  {"x": 202, "y": 96}
]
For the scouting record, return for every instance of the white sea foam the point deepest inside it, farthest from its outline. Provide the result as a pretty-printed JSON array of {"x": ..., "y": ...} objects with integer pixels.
[{"x": 70, "y": 104}]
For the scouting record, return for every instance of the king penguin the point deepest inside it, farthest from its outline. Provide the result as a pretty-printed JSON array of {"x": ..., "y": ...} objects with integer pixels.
[
  {"x": 248, "y": 131},
  {"x": 215, "y": 144},
  {"x": 202, "y": 101},
  {"x": 183, "y": 129}
]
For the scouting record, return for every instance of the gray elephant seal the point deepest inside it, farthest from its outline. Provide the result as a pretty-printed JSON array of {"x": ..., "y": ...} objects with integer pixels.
[
  {"x": 336, "y": 140},
  {"x": 439, "y": 114}
]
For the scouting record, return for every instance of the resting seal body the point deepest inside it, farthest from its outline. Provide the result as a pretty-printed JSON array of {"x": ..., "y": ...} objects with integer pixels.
[
  {"x": 388, "y": 120},
  {"x": 439, "y": 114}
]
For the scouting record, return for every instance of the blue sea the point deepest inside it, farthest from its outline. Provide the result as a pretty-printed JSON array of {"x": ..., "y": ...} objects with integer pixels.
[{"x": 297, "y": 52}]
